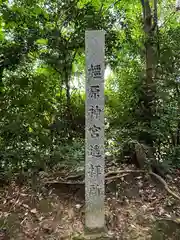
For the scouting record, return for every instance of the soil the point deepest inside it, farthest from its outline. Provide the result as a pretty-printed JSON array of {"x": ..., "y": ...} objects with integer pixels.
[{"x": 137, "y": 207}]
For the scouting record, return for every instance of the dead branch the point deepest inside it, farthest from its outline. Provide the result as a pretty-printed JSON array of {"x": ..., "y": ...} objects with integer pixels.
[
  {"x": 110, "y": 179},
  {"x": 123, "y": 173},
  {"x": 63, "y": 182},
  {"x": 79, "y": 175}
]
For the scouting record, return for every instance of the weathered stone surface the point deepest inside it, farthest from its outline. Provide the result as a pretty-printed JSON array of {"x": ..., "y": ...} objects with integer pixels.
[
  {"x": 178, "y": 5},
  {"x": 94, "y": 169}
]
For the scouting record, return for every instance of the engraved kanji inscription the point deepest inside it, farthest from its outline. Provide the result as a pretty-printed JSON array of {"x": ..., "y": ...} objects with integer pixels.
[
  {"x": 94, "y": 91},
  {"x": 94, "y": 112},
  {"x": 95, "y": 170},
  {"x": 95, "y": 189},
  {"x": 95, "y": 150},
  {"x": 94, "y": 131},
  {"x": 95, "y": 71}
]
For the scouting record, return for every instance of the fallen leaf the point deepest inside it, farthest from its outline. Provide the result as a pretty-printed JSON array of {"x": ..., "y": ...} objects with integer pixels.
[
  {"x": 34, "y": 210},
  {"x": 26, "y": 206},
  {"x": 78, "y": 206}
]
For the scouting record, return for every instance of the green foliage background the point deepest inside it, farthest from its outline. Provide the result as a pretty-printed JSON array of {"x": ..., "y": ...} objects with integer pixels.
[{"x": 42, "y": 80}]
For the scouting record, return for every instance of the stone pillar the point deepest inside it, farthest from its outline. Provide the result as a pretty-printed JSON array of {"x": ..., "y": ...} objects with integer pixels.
[
  {"x": 177, "y": 5},
  {"x": 94, "y": 162}
]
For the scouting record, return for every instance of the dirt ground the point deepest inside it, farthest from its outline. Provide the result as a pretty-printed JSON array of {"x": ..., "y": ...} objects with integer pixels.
[{"x": 137, "y": 207}]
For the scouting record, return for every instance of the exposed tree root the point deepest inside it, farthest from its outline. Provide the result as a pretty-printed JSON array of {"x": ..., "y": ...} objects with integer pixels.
[
  {"x": 152, "y": 174},
  {"x": 165, "y": 185},
  {"x": 110, "y": 179},
  {"x": 117, "y": 175},
  {"x": 73, "y": 177},
  {"x": 172, "y": 219},
  {"x": 80, "y": 175},
  {"x": 124, "y": 171}
]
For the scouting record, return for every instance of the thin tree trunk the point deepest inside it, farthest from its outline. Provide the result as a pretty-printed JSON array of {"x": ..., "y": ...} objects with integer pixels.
[
  {"x": 178, "y": 133},
  {"x": 178, "y": 121},
  {"x": 67, "y": 76},
  {"x": 149, "y": 86},
  {"x": 147, "y": 100},
  {"x": 68, "y": 96}
]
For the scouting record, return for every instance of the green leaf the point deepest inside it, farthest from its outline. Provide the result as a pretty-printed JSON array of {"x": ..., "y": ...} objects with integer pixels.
[
  {"x": 30, "y": 130},
  {"x": 42, "y": 41}
]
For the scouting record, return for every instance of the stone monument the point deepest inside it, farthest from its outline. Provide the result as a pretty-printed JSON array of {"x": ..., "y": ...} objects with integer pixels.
[
  {"x": 94, "y": 162},
  {"x": 177, "y": 5}
]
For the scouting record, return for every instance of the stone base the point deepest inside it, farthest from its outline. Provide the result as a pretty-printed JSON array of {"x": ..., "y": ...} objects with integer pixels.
[{"x": 96, "y": 234}]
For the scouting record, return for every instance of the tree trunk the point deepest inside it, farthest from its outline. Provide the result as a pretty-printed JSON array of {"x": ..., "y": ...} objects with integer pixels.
[
  {"x": 1, "y": 72},
  {"x": 178, "y": 121},
  {"x": 147, "y": 100},
  {"x": 67, "y": 73},
  {"x": 66, "y": 79}
]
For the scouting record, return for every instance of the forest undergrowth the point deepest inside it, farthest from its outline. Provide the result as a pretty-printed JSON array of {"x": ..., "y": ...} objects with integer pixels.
[{"x": 137, "y": 206}]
